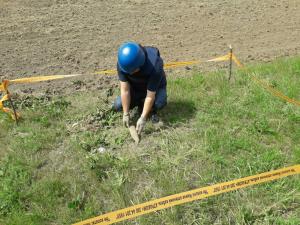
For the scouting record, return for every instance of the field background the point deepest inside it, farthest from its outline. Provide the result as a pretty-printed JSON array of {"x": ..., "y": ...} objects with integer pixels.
[
  {"x": 72, "y": 36},
  {"x": 52, "y": 168}
]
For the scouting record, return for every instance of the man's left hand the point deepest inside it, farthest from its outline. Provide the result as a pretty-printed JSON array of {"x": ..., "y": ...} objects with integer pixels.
[{"x": 140, "y": 125}]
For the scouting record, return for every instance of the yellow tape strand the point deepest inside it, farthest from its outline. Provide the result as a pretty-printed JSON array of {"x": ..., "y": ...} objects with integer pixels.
[
  {"x": 7, "y": 110},
  {"x": 174, "y": 64},
  {"x": 263, "y": 84},
  {"x": 220, "y": 59},
  {"x": 273, "y": 91},
  {"x": 41, "y": 78},
  {"x": 4, "y": 85},
  {"x": 4, "y": 88},
  {"x": 104, "y": 72},
  {"x": 4, "y": 98},
  {"x": 180, "y": 64},
  {"x": 166, "y": 66},
  {"x": 237, "y": 62},
  {"x": 189, "y": 196}
]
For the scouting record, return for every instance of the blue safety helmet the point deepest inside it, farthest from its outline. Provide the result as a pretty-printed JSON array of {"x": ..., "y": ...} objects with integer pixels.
[{"x": 130, "y": 57}]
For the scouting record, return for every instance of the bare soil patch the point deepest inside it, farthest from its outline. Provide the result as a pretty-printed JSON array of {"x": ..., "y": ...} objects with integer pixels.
[{"x": 41, "y": 37}]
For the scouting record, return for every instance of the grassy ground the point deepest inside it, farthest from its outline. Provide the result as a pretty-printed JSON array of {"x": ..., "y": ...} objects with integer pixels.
[{"x": 51, "y": 170}]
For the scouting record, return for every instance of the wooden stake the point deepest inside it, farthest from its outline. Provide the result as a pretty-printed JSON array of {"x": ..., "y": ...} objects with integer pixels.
[
  {"x": 13, "y": 106},
  {"x": 230, "y": 63}
]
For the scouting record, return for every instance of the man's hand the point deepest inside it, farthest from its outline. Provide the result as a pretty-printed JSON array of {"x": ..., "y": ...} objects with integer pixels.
[
  {"x": 140, "y": 125},
  {"x": 126, "y": 119}
]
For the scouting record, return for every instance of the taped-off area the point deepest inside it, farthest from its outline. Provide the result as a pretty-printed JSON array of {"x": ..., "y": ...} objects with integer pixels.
[{"x": 230, "y": 56}]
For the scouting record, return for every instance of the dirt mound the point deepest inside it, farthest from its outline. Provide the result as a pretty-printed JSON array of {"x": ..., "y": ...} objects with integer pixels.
[{"x": 72, "y": 36}]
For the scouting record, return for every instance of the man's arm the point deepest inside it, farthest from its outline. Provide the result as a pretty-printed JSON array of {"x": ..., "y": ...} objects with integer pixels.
[
  {"x": 149, "y": 101},
  {"x": 125, "y": 96}
]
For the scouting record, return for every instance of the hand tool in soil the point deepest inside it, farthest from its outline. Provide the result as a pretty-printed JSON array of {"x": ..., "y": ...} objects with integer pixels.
[{"x": 134, "y": 134}]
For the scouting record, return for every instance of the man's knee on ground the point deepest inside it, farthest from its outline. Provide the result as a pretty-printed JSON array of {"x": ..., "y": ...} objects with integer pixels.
[
  {"x": 118, "y": 104},
  {"x": 160, "y": 104},
  {"x": 160, "y": 99}
]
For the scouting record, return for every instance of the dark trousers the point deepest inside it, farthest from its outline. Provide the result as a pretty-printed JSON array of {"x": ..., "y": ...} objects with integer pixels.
[{"x": 138, "y": 99}]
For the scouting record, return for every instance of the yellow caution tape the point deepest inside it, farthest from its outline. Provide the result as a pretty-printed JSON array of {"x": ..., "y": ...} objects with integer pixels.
[
  {"x": 274, "y": 92},
  {"x": 3, "y": 88},
  {"x": 174, "y": 64},
  {"x": 187, "y": 63},
  {"x": 237, "y": 62},
  {"x": 7, "y": 110},
  {"x": 4, "y": 98},
  {"x": 263, "y": 84},
  {"x": 166, "y": 66},
  {"x": 180, "y": 64},
  {"x": 41, "y": 78},
  {"x": 189, "y": 196},
  {"x": 4, "y": 85},
  {"x": 104, "y": 72},
  {"x": 219, "y": 59}
]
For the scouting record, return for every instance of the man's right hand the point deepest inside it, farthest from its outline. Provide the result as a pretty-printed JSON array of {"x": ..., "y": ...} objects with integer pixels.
[{"x": 126, "y": 119}]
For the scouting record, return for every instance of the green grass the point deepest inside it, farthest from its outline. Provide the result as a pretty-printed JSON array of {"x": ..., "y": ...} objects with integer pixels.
[{"x": 52, "y": 173}]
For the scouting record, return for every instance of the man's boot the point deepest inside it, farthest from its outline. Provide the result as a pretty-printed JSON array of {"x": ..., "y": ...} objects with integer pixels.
[{"x": 154, "y": 117}]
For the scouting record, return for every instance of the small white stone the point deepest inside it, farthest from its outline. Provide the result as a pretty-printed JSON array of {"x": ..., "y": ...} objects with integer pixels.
[{"x": 101, "y": 149}]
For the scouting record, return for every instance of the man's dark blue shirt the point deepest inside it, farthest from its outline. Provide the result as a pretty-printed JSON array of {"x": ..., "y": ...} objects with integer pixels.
[{"x": 151, "y": 75}]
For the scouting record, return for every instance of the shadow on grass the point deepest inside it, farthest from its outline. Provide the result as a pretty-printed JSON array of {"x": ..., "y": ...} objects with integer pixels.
[{"x": 178, "y": 112}]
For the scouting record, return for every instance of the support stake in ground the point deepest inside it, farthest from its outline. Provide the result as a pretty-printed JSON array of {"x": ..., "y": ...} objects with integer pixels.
[
  {"x": 12, "y": 106},
  {"x": 230, "y": 62}
]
